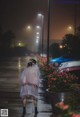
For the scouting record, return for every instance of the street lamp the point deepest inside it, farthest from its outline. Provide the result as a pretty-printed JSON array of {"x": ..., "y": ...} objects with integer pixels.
[
  {"x": 48, "y": 32},
  {"x": 37, "y": 37},
  {"x": 61, "y": 46},
  {"x": 37, "y": 33},
  {"x": 42, "y": 17},
  {"x": 29, "y": 28},
  {"x": 75, "y": 17},
  {"x": 70, "y": 29},
  {"x": 38, "y": 27}
]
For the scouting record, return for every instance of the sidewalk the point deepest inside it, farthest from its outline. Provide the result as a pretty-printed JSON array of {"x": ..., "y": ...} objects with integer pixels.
[
  {"x": 10, "y": 96},
  {"x": 9, "y": 99},
  {"x": 44, "y": 108}
]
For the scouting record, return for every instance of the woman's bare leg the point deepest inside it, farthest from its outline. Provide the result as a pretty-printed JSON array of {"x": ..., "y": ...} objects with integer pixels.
[
  {"x": 35, "y": 105},
  {"x": 35, "y": 101},
  {"x": 24, "y": 105},
  {"x": 24, "y": 102}
]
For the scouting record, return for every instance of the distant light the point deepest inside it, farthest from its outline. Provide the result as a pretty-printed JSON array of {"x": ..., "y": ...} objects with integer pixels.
[
  {"x": 37, "y": 27},
  {"x": 61, "y": 46},
  {"x": 37, "y": 37},
  {"x": 39, "y": 14},
  {"x": 29, "y": 27},
  {"x": 70, "y": 27},
  {"x": 43, "y": 55},
  {"x": 19, "y": 63},
  {"x": 37, "y": 33},
  {"x": 37, "y": 40},
  {"x": 19, "y": 44}
]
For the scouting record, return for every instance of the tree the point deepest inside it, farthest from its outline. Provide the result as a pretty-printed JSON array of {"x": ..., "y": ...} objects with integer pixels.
[
  {"x": 71, "y": 45},
  {"x": 55, "y": 50},
  {"x": 7, "y": 38}
]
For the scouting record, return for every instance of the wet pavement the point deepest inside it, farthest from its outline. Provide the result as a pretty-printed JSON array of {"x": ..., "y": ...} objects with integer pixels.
[
  {"x": 10, "y": 70},
  {"x": 9, "y": 99},
  {"x": 10, "y": 87}
]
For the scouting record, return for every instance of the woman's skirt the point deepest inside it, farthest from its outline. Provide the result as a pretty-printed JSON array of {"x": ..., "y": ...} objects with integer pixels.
[{"x": 29, "y": 90}]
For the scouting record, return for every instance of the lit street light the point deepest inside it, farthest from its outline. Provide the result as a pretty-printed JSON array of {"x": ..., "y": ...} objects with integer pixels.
[
  {"x": 29, "y": 28},
  {"x": 37, "y": 37},
  {"x": 70, "y": 29},
  {"x": 19, "y": 43},
  {"x": 61, "y": 46},
  {"x": 37, "y": 33},
  {"x": 38, "y": 27},
  {"x": 37, "y": 41},
  {"x": 42, "y": 17}
]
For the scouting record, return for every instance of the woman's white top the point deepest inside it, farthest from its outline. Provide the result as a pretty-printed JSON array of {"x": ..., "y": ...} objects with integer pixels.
[{"x": 30, "y": 75}]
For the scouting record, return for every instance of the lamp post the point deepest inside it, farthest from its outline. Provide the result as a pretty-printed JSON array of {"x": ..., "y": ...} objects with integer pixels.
[
  {"x": 42, "y": 17},
  {"x": 75, "y": 17},
  {"x": 48, "y": 32}
]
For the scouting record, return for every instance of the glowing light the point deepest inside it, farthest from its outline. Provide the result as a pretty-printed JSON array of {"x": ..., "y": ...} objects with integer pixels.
[
  {"x": 28, "y": 27},
  {"x": 61, "y": 46},
  {"x": 37, "y": 37},
  {"x": 37, "y": 33},
  {"x": 19, "y": 44},
  {"x": 37, "y": 27},
  {"x": 39, "y": 14},
  {"x": 19, "y": 63},
  {"x": 62, "y": 97},
  {"x": 70, "y": 27},
  {"x": 37, "y": 40}
]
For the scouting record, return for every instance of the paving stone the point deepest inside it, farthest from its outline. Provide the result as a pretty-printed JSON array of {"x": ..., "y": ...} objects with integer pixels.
[{"x": 44, "y": 114}]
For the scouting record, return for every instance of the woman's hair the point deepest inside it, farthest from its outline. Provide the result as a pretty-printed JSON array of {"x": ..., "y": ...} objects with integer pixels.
[
  {"x": 29, "y": 64},
  {"x": 33, "y": 61}
]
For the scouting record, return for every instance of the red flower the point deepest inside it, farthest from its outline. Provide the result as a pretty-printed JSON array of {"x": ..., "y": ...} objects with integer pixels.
[
  {"x": 65, "y": 107},
  {"x": 53, "y": 79},
  {"x": 76, "y": 115},
  {"x": 62, "y": 106}
]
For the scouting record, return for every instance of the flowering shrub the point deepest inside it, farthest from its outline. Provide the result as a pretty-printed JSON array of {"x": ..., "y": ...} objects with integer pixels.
[
  {"x": 60, "y": 81},
  {"x": 76, "y": 115},
  {"x": 67, "y": 111},
  {"x": 46, "y": 70},
  {"x": 57, "y": 81},
  {"x": 62, "y": 106}
]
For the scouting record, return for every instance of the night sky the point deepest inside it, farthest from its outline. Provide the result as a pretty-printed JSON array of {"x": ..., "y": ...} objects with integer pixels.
[{"x": 18, "y": 14}]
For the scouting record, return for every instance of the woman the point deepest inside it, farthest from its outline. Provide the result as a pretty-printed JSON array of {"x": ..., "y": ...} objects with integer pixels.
[
  {"x": 29, "y": 86},
  {"x": 36, "y": 76}
]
